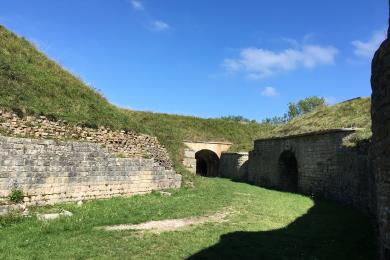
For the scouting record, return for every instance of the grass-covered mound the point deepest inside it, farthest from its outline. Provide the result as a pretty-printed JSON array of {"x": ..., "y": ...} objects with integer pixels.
[
  {"x": 262, "y": 224},
  {"x": 31, "y": 83},
  {"x": 354, "y": 113}
]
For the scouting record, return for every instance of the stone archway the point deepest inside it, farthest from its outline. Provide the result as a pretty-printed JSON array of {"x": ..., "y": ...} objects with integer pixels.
[
  {"x": 288, "y": 172},
  {"x": 207, "y": 163},
  {"x": 197, "y": 155}
]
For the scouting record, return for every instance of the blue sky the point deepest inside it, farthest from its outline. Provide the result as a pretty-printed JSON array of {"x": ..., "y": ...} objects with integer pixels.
[{"x": 208, "y": 58}]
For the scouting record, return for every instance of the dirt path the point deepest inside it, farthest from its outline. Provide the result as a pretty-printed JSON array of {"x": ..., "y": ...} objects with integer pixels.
[{"x": 171, "y": 224}]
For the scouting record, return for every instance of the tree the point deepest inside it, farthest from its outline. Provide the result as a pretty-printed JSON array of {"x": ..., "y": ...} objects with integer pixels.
[
  {"x": 236, "y": 118},
  {"x": 304, "y": 106}
]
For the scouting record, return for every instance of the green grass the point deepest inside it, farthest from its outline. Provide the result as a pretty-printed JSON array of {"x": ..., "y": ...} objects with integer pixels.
[
  {"x": 171, "y": 130},
  {"x": 31, "y": 83},
  {"x": 264, "y": 224},
  {"x": 354, "y": 113}
]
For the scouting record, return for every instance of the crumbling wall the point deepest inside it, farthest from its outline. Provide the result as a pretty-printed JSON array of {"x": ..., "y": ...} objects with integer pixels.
[
  {"x": 124, "y": 143},
  {"x": 380, "y": 152},
  {"x": 51, "y": 171}
]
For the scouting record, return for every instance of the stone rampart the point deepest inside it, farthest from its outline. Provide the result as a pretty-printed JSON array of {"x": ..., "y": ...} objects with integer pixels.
[
  {"x": 316, "y": 164},
  {"x": 123, "y": 143},
  {"x": 380, "y": 152},
  {"x": 234, "y": 166},
  {"x": 51, "y": 171}
]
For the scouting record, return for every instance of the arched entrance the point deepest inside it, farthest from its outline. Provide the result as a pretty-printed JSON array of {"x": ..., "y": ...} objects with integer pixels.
[
  {"x": 288, "y": 172},
  {"x": 207, "y": 163}
]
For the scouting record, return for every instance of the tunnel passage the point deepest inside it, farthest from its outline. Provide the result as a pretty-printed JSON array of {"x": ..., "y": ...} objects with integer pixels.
[
  {"x": 288, "y": 172},
  {"x": 207, "y": 163}
]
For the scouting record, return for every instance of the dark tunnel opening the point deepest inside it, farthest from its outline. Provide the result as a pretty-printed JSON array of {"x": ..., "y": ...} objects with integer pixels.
[
  {"x": 288, "y": 172},
  {"x": 207, "y": 163}
]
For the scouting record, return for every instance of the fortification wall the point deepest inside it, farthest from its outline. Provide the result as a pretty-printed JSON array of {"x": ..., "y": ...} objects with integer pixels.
[
  {"x": 380, "y": 152},
  {"x": 122, "y": 143},
  {"x": 324, "y": 167},
  {"x": 50, "y": 171},
  {"x": 234, "y": 166}
]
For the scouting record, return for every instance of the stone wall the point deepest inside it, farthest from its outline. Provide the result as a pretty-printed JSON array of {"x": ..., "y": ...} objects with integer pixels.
[
  {"x": 380, "y": 152},
  {"x": 51, "y": 171},
  {"x": 194, "y": 148},
  {"x": 234, "y": 166},
  {"x": 123, "y": 143},
  {"x": 324, "y": 167}
]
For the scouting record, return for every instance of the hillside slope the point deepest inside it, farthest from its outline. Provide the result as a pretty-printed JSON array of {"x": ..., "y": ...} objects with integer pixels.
[
  {"x": 354, "y": 113},
  {"x": 31, "y": 83}
]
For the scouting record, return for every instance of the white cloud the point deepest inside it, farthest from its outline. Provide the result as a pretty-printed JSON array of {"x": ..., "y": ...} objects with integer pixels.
[
  {"x": 269, "y": 92},
  {"x": 137, "y": 5},
  {"x": 159, "y": 25},
  {"x": 368, "y": 48},
  {"x": 259, "y": 63}
]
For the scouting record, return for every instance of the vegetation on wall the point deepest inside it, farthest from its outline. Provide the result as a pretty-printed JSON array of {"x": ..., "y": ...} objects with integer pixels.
[
  {"x": 16, "y": 195},
  {"x": 351, "y": 114}
]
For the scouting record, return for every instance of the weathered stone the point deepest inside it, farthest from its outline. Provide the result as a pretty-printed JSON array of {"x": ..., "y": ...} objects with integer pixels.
[
  {"x": 205, "y": 153},
  {"x": 125, "y": 143},
  {"x": 380, "y": 151},
  {"x": 165, "y": 193},
  {"x": 316, "y": 164},
  {"x": 234, "y": 166},
  {"x": 52, "y": 216},
  {"x": 52, "y": 171}
]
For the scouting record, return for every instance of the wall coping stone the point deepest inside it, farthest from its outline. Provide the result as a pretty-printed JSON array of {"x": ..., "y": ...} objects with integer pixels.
[
  {"x": 208, "y": 142},
  {"x": 314, "y": 133}
]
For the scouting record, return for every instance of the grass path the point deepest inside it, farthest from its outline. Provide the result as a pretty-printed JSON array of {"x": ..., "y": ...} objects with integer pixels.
[{"x": 265, "y": 225}]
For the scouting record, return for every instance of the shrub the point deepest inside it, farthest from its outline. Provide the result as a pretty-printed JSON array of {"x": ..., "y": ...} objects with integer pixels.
[{"x": 16, "y": 195}]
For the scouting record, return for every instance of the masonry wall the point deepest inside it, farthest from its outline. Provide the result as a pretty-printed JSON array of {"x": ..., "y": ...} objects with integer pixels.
[
  {"x": 325, "y": 167},
  {"x": 123, "y": 143},
  {"x": 380, "y": 152},
  {"x": 234, "y": 166},
  {"x": 51, "y": 171}
]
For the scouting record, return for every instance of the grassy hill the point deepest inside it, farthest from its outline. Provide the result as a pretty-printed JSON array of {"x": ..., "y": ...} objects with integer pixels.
[
  {"x": 31, "y": 83},
  {"x": 354, "y": 113}
]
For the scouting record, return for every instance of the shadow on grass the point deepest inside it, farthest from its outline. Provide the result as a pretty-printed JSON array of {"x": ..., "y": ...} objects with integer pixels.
[{"x": 327, "y": 231}]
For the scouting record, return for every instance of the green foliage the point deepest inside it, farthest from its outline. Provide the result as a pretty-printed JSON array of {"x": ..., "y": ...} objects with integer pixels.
[
  {"x": 354, "y": 113},
  {"x": 16, "y": 195},
  {"x": 12, "y": 218},
  {"x": 300, "y": 108},
  {"x": 263, "y": 224},
  {"x": 238, "y": 119},
  {"x": 304, "y": 106},
  {"x": 276, "y": 120}
]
